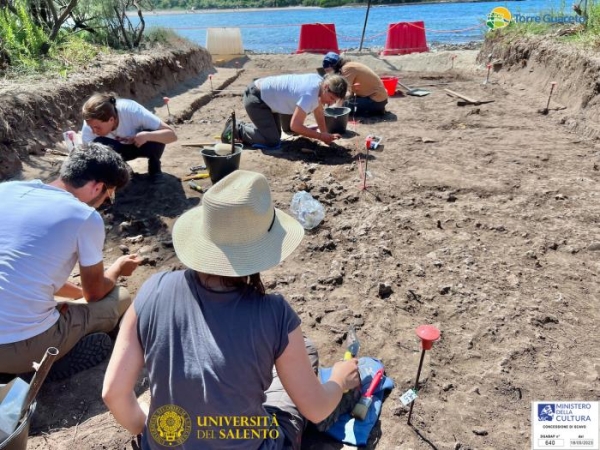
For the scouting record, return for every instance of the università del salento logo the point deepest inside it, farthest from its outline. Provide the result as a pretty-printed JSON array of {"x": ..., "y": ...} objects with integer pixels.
[
  {"x": 170, "y": 425},
  {"x": 500, "y": 17}
]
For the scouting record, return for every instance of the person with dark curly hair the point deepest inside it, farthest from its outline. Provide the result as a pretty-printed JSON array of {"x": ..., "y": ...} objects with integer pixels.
[{"x": 45, "y": 230}]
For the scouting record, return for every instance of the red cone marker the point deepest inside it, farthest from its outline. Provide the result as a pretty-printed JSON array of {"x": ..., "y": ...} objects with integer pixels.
[{"x": 428, "y": 335}]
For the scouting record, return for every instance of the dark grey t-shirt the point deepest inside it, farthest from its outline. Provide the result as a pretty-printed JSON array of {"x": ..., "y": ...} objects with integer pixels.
[{"x": 209, "y": 354}]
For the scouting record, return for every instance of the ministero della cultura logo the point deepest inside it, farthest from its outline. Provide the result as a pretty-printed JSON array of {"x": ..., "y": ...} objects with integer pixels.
[{"x": 501, "y": 17}]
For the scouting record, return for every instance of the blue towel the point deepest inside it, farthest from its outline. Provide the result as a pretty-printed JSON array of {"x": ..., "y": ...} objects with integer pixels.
[{"x": 347, "y": 429}]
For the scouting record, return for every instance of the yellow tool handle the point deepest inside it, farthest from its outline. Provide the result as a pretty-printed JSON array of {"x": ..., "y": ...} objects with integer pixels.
[
  {"x": 195, "y": 187},
  {"x": 196, "y": 176}
]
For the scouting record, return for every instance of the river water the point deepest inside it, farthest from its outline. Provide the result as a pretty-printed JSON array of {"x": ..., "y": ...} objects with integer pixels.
[{"x": 278, "y": 30}]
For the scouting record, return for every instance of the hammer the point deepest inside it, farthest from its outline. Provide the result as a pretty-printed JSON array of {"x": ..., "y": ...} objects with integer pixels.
[{"x": 362, "y": 407}]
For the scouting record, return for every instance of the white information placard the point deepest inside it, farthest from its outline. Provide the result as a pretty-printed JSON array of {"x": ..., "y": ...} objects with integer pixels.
[
  {"x": 408, "y": 397},
  {"x": 564, "y": 425}
]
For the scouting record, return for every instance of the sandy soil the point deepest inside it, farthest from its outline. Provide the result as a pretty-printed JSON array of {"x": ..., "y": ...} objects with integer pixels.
[{"x": 480, "y": 220}]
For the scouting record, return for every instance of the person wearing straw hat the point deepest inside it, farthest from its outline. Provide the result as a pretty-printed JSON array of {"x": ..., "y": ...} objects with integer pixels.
[
  {"x": 283, "y": 102},
  {"x": 366, "y": 90},
  {"x": 228, "y": 365}
]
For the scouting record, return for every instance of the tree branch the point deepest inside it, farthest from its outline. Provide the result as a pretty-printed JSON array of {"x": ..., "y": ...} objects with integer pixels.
[{"x": 63, "y": 17}]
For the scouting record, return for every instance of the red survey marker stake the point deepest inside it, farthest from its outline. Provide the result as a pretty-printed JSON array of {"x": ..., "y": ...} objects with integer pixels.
[
  {"x": 428, "y": 335},
  {"x": 166, "y": 100}
]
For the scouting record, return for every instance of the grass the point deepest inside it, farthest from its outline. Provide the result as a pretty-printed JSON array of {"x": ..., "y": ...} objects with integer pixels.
[
  {"x": 75, "y": 51},
  {"x": 579, "y": 34}
]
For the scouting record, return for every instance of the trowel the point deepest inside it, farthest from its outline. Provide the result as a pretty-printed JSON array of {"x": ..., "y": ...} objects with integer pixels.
[
  {"x": 414, "y": 91},
  {"x": 352, "y": 344}
]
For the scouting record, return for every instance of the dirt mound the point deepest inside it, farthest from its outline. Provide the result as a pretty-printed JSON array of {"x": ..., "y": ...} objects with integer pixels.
[
  {"x": 537, "y": 62},
  {"x": 33, "y": 116}
]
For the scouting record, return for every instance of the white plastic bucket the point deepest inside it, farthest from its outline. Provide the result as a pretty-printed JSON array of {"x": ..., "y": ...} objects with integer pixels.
[{"x": 224, "y": 41}]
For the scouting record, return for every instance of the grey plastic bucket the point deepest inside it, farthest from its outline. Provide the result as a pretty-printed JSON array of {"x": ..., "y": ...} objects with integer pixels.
[
  {"x": 336, "y": 119},
  {"x": 219, "y": 166},
  {"x": 18, "y": 439}
]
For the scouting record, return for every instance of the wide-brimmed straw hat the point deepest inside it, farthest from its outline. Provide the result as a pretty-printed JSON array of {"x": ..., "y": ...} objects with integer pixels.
[{"x": 236, "y": 231}]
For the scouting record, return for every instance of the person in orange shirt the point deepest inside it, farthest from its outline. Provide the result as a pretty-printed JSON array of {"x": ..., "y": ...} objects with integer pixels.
[{"x": 366, "y": 90}]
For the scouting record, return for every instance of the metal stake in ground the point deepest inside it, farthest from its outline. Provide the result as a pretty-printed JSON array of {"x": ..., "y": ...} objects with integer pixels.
[
  {"x": 428, "y": 335},
  {"x": 363, "y": 186},
  {"x": 166, "y": 100},
  {"x": 232, "y": 132},
  {"x": 546, "y": 109}
]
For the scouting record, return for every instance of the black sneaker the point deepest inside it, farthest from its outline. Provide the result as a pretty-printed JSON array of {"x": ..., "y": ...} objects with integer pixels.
[
  {"x": 154, "y": 167},
  {"x": 156, "y": 178},
  {"x": 227, "y": 132},
  {"x": 89, "y": 352}
]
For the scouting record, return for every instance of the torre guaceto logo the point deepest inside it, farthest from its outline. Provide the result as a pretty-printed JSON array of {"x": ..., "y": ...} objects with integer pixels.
[{"x": 500, "y": 17}]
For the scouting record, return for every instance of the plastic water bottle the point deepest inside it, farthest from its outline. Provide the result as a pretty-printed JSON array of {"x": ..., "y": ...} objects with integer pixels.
[{"x": 308, "y": 211}]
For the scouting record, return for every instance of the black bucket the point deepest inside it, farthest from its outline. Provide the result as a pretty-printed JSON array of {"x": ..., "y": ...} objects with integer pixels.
[
  {"x": 336, "y": 119},
  {"x": 18, "y": 439},
  {"x": 219, "y": 166}
]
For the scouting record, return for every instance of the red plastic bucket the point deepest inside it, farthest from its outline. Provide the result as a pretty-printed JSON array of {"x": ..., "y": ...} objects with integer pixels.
[{"x": 390, "y": 84}]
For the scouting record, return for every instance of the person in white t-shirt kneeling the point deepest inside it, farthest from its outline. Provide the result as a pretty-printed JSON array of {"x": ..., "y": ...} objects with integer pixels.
[
  {"x": 128, "y": 128},
  {"x": 45, "y": 230},
  {"x": 282, "y": 103}
]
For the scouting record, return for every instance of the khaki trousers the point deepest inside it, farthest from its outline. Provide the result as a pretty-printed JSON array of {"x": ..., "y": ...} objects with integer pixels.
[{"x": 80, "y": 319}]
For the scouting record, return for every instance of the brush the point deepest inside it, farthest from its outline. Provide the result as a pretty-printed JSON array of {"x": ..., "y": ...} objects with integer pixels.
[{"x": 362, "y": 407}]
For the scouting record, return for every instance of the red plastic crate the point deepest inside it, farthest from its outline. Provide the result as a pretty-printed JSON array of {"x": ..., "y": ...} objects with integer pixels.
[
  {"x": 405, "y": 37},
  {"x": 318, "y": 38}
]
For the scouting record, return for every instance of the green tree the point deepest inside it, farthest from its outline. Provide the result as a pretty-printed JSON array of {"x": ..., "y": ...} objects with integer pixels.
[{"x": 22, "y": 39}]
